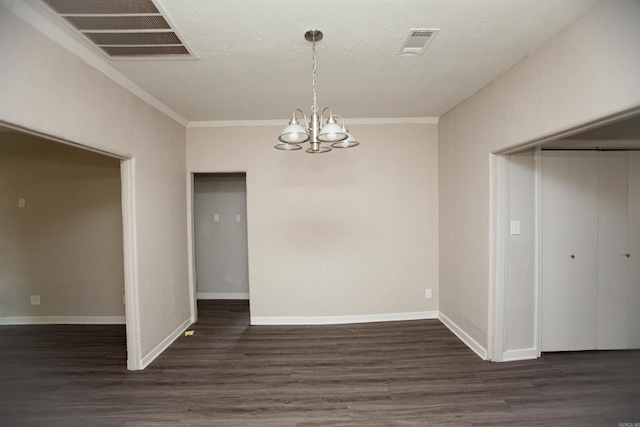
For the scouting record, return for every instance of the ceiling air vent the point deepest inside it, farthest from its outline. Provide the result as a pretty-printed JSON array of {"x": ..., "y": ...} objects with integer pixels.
[
  {"x": 123, "y": 29},
  {"x": 418, "y": 40}
]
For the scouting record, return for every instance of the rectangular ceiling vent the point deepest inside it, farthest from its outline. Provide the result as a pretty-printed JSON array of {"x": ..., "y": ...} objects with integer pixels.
[
  {"x": 418, "y": 40},
  {"x": 123, "y": 29}
]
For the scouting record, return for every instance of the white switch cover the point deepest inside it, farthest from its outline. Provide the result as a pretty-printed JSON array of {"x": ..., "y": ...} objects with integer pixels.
[
  {"x": 515, "y": 227},
  {"x": 35, "y": 299},
  {"x": 216, "y": 217},
  {"x": 237, "y": 218},
  {"x": 21, "y": 202},
  {"x": 427, "y": 293}
]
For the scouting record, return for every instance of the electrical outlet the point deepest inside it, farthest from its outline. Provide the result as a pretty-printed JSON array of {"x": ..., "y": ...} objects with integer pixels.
[
  {"x": 35, "y": 299},
  {"x": 427, "y": 293}
]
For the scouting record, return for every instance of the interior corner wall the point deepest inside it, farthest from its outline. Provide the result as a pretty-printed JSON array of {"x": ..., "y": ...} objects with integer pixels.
[
  {"x": 579, "y": 76},
  {"x": 349, "y": 233},
  {"x": 65, "y": 243},
  {"x": 47, "y": 89}
]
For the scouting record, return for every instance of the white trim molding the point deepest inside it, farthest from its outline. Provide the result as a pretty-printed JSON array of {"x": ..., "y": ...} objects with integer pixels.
[
  {"x": 222, "y": 295},
  {"x": 340, "y": 320},
  {"x": 157, "y": 351},
  {"x": 523, "y": 354},
  {"x": 284, "y": 121},
  {"x": 130, "y": 246},
  {"x": 63, "y": 320},
  {"x": 498, "y": 285},
  {"x": 464, "y": 337}
]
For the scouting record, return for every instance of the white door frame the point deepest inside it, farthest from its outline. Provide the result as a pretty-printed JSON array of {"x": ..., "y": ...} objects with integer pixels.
[
  {"x": 127, "y": 182},
  {"x": 498, "y": 236},
  {"x": 132, "y": 301},
  {"x": 191, "y": 249}
]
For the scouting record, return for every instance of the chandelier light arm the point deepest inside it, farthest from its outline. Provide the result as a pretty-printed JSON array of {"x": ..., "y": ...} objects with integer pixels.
[
  {"x": 344, "y": 128},
  {"x": 330, "y": 118},
  {"x": 295, "y": 119},
  {"x": 350, "y": 141},
  {"x": 331, "y": 132}
]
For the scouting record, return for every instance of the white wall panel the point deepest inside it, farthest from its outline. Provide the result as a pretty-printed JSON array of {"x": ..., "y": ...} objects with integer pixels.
[{"x": 520, "y": 325}]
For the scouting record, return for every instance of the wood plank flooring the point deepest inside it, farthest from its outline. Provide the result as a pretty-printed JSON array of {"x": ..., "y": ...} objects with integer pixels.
[{"x": 232, "y": 374}]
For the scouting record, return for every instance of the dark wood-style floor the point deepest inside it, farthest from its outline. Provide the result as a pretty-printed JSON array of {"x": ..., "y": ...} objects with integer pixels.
[{"x": 232, "y": 374}]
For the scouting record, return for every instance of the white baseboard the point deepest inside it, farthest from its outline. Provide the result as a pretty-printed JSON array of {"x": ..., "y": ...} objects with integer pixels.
[
  {"x": 464, "y": 337},
  {"x": 338, "y": 320},
  {"x": 63, "y": 320},
  {"x": 157, "y": 351},
  {"x": 222, "y": 295},
  {"x": 524, "y": 354}
]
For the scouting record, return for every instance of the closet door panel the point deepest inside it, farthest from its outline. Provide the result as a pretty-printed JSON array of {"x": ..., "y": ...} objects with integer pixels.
[
  {"x": 583, "y": 284},
  {"x": 556, "y": 215},
  {"x": 612, "y": 247},
  {"x": 633, "y": 262}
]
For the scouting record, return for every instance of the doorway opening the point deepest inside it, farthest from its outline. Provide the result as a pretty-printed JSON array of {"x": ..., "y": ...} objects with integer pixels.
[
  {"x": 64, "y": 225},
  {"x": 518, "y": 232},
  {"x": 221, "y": 262}
]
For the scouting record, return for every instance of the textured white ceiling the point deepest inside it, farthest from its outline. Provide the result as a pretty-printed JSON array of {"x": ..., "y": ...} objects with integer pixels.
[{"x": 254, "y": 63}]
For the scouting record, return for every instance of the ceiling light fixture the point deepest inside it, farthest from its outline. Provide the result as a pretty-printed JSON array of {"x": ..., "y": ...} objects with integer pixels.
[{"x": 332, "y": 133}]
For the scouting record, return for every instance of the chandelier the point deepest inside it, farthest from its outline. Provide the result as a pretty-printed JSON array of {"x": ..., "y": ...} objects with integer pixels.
[{"x": 295, "y": 134}]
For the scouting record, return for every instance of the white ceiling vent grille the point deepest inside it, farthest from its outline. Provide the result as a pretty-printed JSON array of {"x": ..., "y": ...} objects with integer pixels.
[
  {"x": 123, "y": 29},
  {"x": 418, "y": 40}
]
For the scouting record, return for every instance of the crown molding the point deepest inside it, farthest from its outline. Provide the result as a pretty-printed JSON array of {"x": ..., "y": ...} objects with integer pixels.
[{"x": 283, "y": 122}]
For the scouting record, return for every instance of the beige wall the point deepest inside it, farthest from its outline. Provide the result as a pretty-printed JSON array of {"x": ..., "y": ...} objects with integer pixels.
[
  {"x": 65, "y": 245},
  {"x": 348, "y": 233},
  {"x": 589, "y": 71},
  {"x": 47, "y": 89}
]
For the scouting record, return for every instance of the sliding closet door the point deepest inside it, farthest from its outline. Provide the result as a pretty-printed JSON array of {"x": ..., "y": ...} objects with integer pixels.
[
  {"x": 583, "y": 256},
  {"x": 633, "y": 261},
  {"x": 556, "y": 212},
  {"x": 612, "y": 246},
  {"x": 569, "y": 250},
  {"x": 590, "y": 250}
]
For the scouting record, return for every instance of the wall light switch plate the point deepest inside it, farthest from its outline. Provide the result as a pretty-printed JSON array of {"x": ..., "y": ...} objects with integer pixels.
[
  {"x": 35, "y": 299},
  {"x": 515, "y": 227},
  {"x": 237, "y": 218},
  {"x": 216, "y": 217},
  {"x": 21, "y": 202},
  {"x": 427, "y": 293}
]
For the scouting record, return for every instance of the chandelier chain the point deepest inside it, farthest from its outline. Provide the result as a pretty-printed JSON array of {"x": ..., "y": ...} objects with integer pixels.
[{"x": 314, "y": 107}]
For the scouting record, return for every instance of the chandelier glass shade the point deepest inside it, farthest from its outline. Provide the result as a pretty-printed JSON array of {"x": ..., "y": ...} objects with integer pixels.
[{"x": 321, "y": 129}]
